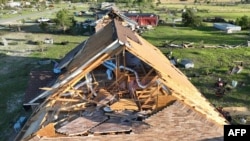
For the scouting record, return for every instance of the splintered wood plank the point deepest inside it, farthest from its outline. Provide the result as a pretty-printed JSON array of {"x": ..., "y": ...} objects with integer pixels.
[
  {"x": 48, "y": 131},
  {"x": 234, "y": 111},
  {"x": 102, "y": 94},
  {"x": 113, "y": 125},
  {"x": 81, "y": 125},
  {"x": 67, "y": 86},
  {"x": 103, "y": 98},
  {"x": 123, "y": 104},
  {"x": 105, "y": 101}
]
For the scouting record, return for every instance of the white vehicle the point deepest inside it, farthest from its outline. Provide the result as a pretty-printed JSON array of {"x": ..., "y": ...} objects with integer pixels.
[{"x": 43, "y": 20}]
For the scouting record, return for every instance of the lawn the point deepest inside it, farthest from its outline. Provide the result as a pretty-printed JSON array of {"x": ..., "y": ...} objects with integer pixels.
[
  {"x": 210, "y": 63},
  {"x": 214, "y": 63},
  {"x": 204, "y": 11},
  {"x": 206, "y": 35}
]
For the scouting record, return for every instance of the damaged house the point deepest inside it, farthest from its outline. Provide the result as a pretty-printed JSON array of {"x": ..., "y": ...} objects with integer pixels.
[
  {"x": 105, "y": 16},
  {"x": 117, "y": 86}
]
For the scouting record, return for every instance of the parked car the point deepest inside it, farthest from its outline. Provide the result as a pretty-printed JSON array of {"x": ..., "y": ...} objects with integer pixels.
[{"x": 42, "y": 19}]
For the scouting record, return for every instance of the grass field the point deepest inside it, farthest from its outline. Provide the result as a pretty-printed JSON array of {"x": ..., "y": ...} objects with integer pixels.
[
  {"x": 210, "y": 63},
  {"x": 205, "y": 34},
  {"x": 207, "y": 59}
]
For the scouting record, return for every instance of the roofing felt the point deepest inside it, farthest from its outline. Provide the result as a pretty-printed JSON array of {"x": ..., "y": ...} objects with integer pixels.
[{"x": 37, "y": 80}]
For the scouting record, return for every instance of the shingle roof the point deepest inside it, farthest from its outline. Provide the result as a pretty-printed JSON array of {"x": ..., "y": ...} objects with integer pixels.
[{"x": 174, "y": 123}]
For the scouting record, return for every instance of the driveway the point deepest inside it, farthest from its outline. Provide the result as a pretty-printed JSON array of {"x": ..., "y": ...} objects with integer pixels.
[{"x": 33, "y": 15}]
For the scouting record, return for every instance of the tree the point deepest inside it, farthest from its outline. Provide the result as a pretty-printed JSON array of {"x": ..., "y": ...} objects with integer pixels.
[
  {"x": 190, "y": 19},
  {"x": 44, "y": 26},
  {"x": 64, "y": 19},
  {"x": 3, "y": 1},
  {"x": 244, "y": 22}
]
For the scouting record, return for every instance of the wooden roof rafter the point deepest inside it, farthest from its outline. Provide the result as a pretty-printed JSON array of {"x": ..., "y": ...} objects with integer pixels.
[{"x": 174, "y": 80}]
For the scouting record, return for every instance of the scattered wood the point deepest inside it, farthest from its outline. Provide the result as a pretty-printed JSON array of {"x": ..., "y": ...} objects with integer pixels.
[
  {"x": 124, "y": 104},
  {"x": 236, "y": 111},
  {"x": 48, "y": 131},
  {"x": 209, "y": 46}
]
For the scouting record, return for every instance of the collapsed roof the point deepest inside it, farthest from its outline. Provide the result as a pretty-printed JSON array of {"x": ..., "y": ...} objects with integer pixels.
[{"x": 116, "y": 82}]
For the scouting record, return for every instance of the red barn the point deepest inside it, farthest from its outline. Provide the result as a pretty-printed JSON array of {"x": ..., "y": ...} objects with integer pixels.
[{"x": 144, "y": 19}]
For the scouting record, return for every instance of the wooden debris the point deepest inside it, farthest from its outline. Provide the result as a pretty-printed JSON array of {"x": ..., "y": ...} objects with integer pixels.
[
  {"x": 124, "y": 104},
  {"x": 234, "y": 111},
  {"x": 48, "y": 131}
]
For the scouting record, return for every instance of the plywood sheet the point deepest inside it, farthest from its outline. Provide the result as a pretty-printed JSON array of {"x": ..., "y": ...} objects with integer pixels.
[{"x": 124, "y": 104}]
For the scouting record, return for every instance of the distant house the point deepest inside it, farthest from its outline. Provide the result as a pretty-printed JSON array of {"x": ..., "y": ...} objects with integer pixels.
[
  {"x": 144, "y": 19},
  {"x": 229, "y": 28},
  {"x": 13, "y": 4},
  {"x": 100, "y": 14},
  {"x": 107, "y": 5},
  {"x": 105, "y": 16}
]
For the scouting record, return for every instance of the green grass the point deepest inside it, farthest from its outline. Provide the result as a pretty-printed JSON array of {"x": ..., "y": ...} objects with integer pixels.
[
  {"x": 14, "y": 78},
  {"x": 226, "y": 12},
  {"x": 208, "y": 60},
  {"x": 202, "y": 34},
  {"x": 57, "y": 51}
]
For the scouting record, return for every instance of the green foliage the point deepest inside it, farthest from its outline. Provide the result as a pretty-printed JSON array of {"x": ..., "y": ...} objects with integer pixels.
[
  {"x": 44, "y": 26},
  {"x": 244, "y": 22},
  {"x": 64, "y": 19},
  {"x": 57, "y": 1},
  {"x": 3, "y": 1},
  {"x": 189, "y": 18},
  {"x": 158, "y": 2}
]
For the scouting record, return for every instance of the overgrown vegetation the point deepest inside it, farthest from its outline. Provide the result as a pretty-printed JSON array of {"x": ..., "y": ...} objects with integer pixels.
[
  {"x": 243, "y": 21},
  {"x": 64, "y": 19},
  {"x": 189, "y": 18}
]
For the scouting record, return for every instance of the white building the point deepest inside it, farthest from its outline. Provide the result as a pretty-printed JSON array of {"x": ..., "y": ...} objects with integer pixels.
[
  {"x": 229, "y": 28},
  {"x": 13, "y": 4}
]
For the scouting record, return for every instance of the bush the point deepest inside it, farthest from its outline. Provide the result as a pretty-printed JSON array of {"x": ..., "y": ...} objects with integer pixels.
[
  {"x": 244, "y": 22},
  {"x": 64, "y": 42},
  {"x": 13, "y": 43}
]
